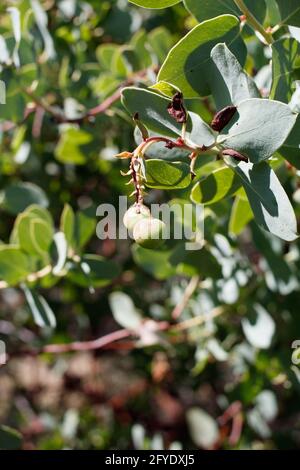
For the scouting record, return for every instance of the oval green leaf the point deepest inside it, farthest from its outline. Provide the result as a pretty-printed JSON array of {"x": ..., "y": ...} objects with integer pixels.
[
  {"x": 285, "y": 68},
  {"x": 218, "y": 185},
  {"x": 14, "y": 265},
  {"x": 93, "y": 271},
  {"x": 289, "y": 12},
  {"x": 167, "y": 175},
  {"x": 19, "y": 196},
  {"x": 157, "y": 4},
  {"x": 230, "y": 84},
  {"x": 188, "y": 65},
  {"x": 269, "y": 202}
]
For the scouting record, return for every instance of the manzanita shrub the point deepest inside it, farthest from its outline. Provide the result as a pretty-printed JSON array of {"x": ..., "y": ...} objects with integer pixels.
[
  {"x": 191, "y": 103},
  {"x": 247, "y": 129}
]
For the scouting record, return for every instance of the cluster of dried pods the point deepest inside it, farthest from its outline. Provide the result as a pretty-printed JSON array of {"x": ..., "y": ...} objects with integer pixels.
[{"x": 146, "y": 230}]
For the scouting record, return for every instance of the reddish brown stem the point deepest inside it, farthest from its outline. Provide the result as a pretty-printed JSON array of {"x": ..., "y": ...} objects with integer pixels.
[
  {"x": 237, "y": 428},
  {"x": 107, "y": 340},
  {"x": 170, "y": 144},
  {"x": 87, "y": 345},
  {"x": 230, "y": 412},
  {"x": 38, "y": 122}
]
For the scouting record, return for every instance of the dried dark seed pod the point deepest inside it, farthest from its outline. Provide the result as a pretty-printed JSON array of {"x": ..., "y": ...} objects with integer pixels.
[
  {"x": 236, "y": 155},
  {"x": 222, "y": 118},
  {"x": 176, "y": 108}
]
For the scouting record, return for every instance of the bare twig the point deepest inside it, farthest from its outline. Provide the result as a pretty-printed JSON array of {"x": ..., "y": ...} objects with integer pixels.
[
  {"x": 233, "y": 413},
  {"x": 237, "y": 428},
  {"x": 87, "y": 345},
  {"x": 59, "y": 116},
  {"x": 199, "y": 320},
  {"x": 38, "y": 122},
  {"x": 190, "y": 289},
  {"x": 111, "y": 338}
]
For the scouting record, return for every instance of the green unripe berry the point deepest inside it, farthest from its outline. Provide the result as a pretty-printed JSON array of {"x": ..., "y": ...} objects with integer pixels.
[
  {"x": 134, "y": 214},
  {"x": 148, "y": 232}
]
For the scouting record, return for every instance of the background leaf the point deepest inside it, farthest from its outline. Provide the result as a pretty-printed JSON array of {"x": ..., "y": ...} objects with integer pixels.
[
  {"x": 71, "y": 146},
  {"x": 17, "y": 197},
  {"x": 33, "y": 232},
  {"x": 124, "y": 311},
  {"x": 67, "y": 224},
  {"x": 289, "y": 11},
  {"x": 42, "y": 313},
  {"x": 96, "y": 272},
  {"x": 259, "y": 330},
  {"x": 202, "y": 427},
  {"x": 14, "y": 265},
  {"x": 155, "y": 263},
  {"x": 10, "y": 439},
  {"x": 241, "y": 214},
  {"x": 285, "y": 68},
  {"x": 61, "y": 245},
  {"x": 85, "y": 225},
  {"x": 190, "y": 263}
]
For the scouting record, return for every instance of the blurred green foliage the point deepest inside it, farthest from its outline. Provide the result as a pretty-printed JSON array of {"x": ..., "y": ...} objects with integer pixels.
[{"x": 225, "y": 379}]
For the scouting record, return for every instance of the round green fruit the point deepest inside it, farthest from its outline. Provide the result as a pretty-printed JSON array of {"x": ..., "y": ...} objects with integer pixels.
[
  {"x": 148, "y": 233},
  {"x": 134, "y": 214}
]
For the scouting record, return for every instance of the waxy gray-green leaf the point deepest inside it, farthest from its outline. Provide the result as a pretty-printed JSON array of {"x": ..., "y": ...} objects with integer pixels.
[
  {"x": 281, "y": 275},
  {"x": 230, "y": 84},
  {"x": 188, "y": 65},
  {"x": 258, "y": 129},
  {"x": 269, "y": 201}
]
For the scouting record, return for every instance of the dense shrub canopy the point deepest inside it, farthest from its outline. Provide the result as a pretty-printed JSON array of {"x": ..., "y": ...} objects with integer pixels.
[{"x": 114, "y": 342}]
